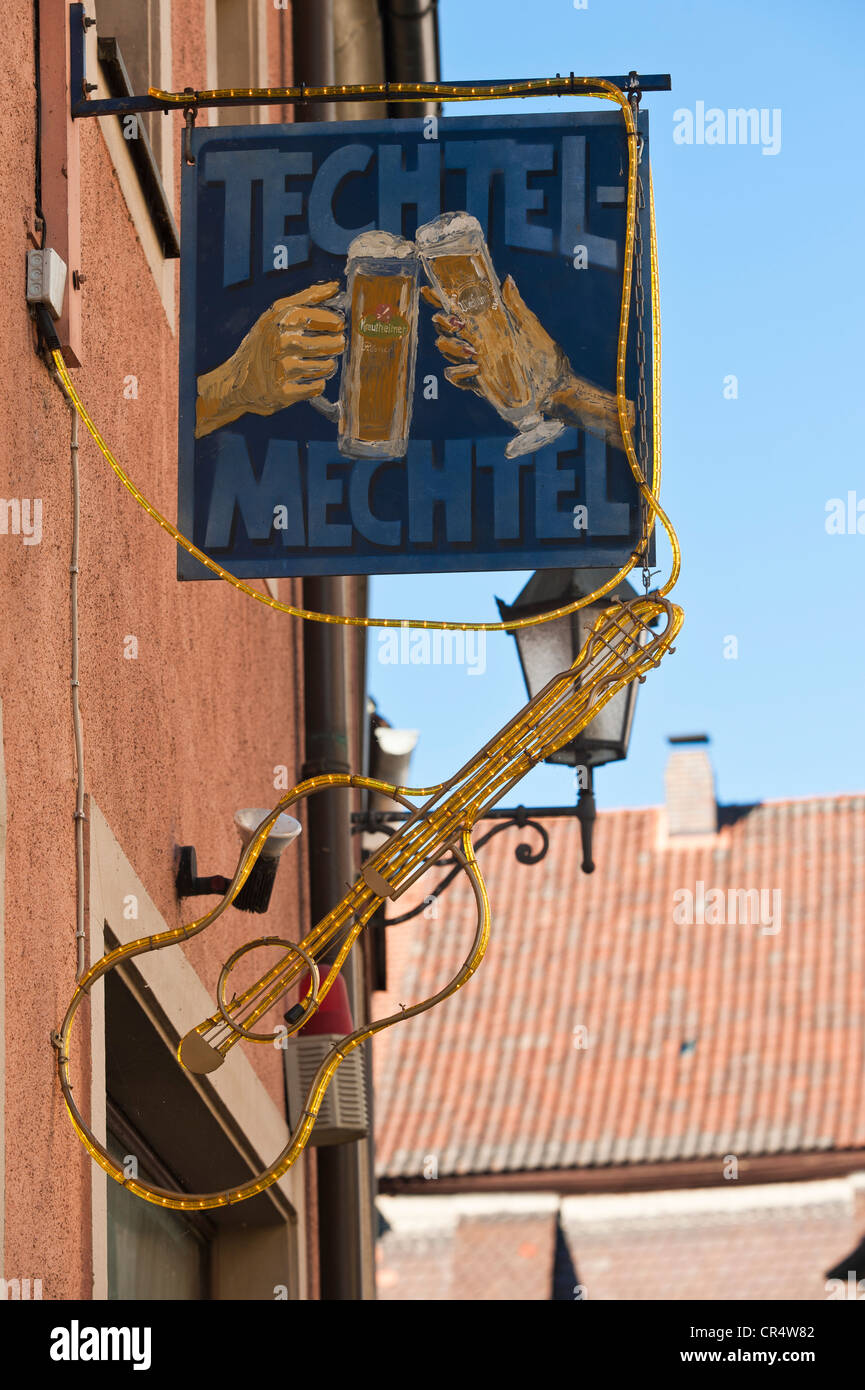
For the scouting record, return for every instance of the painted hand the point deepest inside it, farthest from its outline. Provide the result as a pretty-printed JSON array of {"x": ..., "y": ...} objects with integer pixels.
[
  {"x": 287, "y": 356},
  {"x": 559, "y": 392},
  {"x": 463, "y": 344}
]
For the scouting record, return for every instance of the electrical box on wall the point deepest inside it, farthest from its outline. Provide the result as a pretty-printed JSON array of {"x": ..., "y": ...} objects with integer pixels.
[
  {"x": 344, "y": 1114},
  {"x": 46, "y": 280}
]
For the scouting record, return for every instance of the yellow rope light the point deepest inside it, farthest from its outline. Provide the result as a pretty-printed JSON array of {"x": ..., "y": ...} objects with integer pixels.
[
  {"x": 620, "y": 648},
  {"x": 612, "y": 657},
  {"x": 606, "y": 91},
  {"x": 409, "y": 91}
]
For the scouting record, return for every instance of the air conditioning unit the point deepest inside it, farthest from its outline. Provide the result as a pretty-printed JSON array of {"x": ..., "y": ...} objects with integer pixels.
[{"x": 344, "y": 1114}]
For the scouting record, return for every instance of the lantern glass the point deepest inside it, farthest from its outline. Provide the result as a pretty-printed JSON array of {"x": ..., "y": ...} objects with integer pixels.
[
  {"x": 550, "y": 648},
  {"x": 545, "y": 651}
]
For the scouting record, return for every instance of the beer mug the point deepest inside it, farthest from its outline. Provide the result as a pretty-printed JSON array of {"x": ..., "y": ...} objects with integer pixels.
[
  {"x": 457, "y": 263},
  {"x": 377, "y": 380}
]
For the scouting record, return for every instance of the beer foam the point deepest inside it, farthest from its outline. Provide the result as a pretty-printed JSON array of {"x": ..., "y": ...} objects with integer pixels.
[
  {"x": 449, "y": 225},
  {"x": 380, "y": 244}
]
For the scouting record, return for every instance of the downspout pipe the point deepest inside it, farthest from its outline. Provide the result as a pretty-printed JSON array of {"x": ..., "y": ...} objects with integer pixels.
[
  {"x": 411, "y": 36},
  {"x": 409, "y": 31},
  {"x": 312, "y": 54},
  {"x": 327, "y": 749}
]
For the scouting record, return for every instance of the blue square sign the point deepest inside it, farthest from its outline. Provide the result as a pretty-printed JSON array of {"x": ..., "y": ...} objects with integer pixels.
[{"x": 398, "y": 346}]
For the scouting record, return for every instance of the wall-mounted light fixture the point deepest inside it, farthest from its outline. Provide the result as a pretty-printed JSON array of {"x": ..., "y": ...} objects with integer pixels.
[
  {"x": 255, "y": 894},
  {"x": 549, "y": 648}
]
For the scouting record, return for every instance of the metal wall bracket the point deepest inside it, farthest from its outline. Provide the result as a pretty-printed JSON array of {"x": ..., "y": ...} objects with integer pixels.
[
  {"x": 508, "y": 818},
  {"x": 188, "y": 883}
]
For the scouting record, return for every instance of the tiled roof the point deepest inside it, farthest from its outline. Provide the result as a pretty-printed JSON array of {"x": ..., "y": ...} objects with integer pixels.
[
  {"x": 441, "y": 1248},
  {"x": 779, "y": 1241},
  {"x": 698, "y": 1040}
]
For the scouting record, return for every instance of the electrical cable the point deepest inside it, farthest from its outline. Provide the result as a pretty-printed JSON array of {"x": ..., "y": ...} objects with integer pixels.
[
  {"x": 390, "y": 91},
  {"x": 37, "y": 82},
  {"x": 75, "y": 683}
]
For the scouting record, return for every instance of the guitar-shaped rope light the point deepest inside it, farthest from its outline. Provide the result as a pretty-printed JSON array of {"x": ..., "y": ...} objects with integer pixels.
[
  {"x": 626, "y": 641},
  {"x": 620, "y": 648}
]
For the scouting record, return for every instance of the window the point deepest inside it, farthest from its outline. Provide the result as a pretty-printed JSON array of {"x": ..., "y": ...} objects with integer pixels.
[
  {"x": 240, "y": 56},
  {"x": 128, "y": 51},
  {"x": 152, "y": 1254},
  {"x": 137, "y": 29},
  {"x": 195, "y": 1134}
]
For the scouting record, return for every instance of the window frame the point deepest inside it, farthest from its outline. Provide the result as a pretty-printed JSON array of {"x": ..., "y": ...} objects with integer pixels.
[
  {"x": 170, "y": 993},
  {"x": 119, "y": 84},
  {"x": 255, "y": 56},
  {"x": 199, "y": 1226},
  {"x": 162, "y": 267}
]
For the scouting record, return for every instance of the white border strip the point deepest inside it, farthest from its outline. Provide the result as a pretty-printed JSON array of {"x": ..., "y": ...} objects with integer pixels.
[{"x": 2, "y": 999}]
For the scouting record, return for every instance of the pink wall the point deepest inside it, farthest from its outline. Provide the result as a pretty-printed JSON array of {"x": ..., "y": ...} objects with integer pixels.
[{"x": 176, "y": 740}]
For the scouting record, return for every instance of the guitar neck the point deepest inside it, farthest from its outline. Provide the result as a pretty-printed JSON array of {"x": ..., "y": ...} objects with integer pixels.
[{"x": 615, "y": 653}]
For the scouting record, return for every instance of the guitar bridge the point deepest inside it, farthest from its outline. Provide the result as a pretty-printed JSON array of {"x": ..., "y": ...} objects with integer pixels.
[
  {"x": 382, "y": 889},
  {"x": 380, "y": 886}
]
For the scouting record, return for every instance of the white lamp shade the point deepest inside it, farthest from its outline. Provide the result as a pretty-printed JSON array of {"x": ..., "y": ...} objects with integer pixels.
[{"x": 282, "y": 832}]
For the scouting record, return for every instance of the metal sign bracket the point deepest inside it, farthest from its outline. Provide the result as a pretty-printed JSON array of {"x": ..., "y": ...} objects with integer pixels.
[{"x": 82, "y": 104}]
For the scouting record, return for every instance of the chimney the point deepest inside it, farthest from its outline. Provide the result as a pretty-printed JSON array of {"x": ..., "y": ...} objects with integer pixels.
[{"x": 689, "y": 782}]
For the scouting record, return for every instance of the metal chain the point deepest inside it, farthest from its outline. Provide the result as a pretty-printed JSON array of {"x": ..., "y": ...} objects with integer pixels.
[{"x": 640, "y": 338}]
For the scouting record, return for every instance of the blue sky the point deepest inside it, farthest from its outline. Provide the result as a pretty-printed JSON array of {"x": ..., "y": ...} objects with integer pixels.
[{"x": 761, "y": 277}]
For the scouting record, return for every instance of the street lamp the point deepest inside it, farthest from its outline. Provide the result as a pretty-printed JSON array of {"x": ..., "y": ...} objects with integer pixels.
[
  {"x": 545, "y": 651},
  {"x": 550, "y": 648},
  {"x": 255, "y": 894}
]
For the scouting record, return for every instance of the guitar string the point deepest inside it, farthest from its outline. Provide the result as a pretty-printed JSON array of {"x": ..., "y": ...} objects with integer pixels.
[{"x": 438, "y": 828}]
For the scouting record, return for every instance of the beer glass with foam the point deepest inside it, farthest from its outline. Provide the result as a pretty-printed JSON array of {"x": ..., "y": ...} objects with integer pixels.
[
  {"x": 377, "y": 380},
  {"x": 457, "y": 263}
]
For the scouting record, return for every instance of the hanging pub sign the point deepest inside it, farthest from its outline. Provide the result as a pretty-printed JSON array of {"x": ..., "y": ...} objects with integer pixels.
[{"x": 398, "y": 346}]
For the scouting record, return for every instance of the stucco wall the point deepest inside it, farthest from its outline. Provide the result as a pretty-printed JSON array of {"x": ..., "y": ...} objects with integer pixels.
[{"x": 176, "y": 739}]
